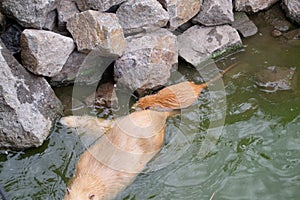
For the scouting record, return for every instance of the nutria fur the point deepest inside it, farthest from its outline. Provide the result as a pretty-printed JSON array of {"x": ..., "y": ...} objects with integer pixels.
[
  {"x": 176, "y": 96},
  {"x": 114, "y": 161}
]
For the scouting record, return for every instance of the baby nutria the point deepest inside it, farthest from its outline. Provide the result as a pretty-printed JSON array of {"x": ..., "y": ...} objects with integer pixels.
[
  {"x": 114, "y": 161},
  {"x": 176, "y": 96}
]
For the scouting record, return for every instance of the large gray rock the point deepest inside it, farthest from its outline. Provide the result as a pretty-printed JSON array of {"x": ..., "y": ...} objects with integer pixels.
[
  {"x": 292, "y": 8},
  {"x": 29, "y": 13},
  {"x": 101, "y": 5},
  {"x": 45, "y": 52},
  {"x": 65, "y": 10},
  {"x": 28, "y": 105},
  {"x": 252, "y": 6},
  {"x": 243, "y": 24},
  {"x": 214, "y": 13},
  {"x": 95, "y": 30},
  {"x": 181, "y": 11},
  {"x": 142, "y": 15},
  {"x": 147, "y": 61},
  {"x": 197, "y": 44}
]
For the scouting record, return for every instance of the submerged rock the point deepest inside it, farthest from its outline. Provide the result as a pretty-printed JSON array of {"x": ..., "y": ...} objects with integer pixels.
[
  {"x": 276, "y": 17},
  {"x": 252, "y": 6},
  {"x": 45, "y": 52},
  {"x": 104, "y": 96},
  {"x": 275, "y": 78},
  {"x": 293, "y": 37},
  {"x": 147, "y": 61},
  {"x": 29, "y": 13},
  {"x": 28, "y": 105},
  {"x": 142, "y": 15},
  {"x": 214, "y": 13},
  {"x": 292, "y": 8},
  {"x": 243, "y": 24},
  {"x": 181, "y": 11},
  {"x": 94, "y": 30},
  {"x": 198, "y": 43}
]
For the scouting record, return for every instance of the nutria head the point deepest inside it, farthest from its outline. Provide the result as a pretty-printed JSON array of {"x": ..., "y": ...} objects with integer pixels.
[{"x": 85, "y": 187}]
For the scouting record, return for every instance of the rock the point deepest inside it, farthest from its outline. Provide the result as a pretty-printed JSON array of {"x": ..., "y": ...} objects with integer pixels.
[
  {"x": 105, "y": 96},
  {"x": 50, "y": 22},
  {"x": 69, "y": 71},
  {"x": 275, "y": 78},
  {"x": 276, "y": 33},
  {"x": 141, "y": 15},
  {"x": 243, "y": 24},
  {"x": 214, "y": 13},
  {"x": 292, "y": 35},
  {"x": 29, "y": 13},
  {"x": 101, "y": 5},
  {"x": 197, "y": 44},
  {"x": 2, "y": 22},
  {"x": 82, "y": 68},
  {"x": 181, "y": 11},
  {"x": 65, "y": 10},
  {"x": 292, "y": 8},
  {"x": 45, "y": 52},
  {"x": 28, "y": 105},
  {"x": 253, "y": 6},
  {"x": 147, "y": 61},
  {"x": 11, "y": 38},
  {"x": 94, "y": 30},
  {"x": 276, "y": 17}
]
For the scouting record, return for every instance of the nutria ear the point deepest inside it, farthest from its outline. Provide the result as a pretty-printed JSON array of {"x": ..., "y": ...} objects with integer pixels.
[
  {"x": 91, "y": 196},
  {"x": 68, "y": 190}
]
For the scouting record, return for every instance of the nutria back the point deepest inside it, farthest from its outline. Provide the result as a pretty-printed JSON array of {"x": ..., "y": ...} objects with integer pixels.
[{"x": 114, "y": 161}]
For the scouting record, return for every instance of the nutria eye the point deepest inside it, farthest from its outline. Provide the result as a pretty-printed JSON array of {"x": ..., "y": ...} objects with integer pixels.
[
  {"x": 147, "y": 108},
  {"x": 91, "y": 196}
]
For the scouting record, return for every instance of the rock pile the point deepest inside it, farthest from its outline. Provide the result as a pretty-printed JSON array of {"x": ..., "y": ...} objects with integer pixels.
[{"x": 142, "y": 39}]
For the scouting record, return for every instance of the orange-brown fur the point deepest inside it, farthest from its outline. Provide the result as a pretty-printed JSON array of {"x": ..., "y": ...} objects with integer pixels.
[
  {"x": 176, "y": 96},
  {"x": 114, "y": 161}
]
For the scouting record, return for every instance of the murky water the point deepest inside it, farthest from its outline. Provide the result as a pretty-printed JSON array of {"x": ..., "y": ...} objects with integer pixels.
[{"x": 255, "y": 155}]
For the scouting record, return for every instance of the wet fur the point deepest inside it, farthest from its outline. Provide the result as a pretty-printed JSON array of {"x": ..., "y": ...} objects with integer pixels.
[
  {"x": 114, "y": 161},
  {"x": 176, "y": 96}
]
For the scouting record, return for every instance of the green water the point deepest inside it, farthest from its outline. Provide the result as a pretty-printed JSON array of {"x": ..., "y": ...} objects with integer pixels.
[{"x": 255, "y": 156}]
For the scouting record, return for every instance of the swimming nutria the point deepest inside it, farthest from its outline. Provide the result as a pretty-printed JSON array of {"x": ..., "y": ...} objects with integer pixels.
[
  {"x": 176, "y": 96},
  {"x": 114, "y": 161}
]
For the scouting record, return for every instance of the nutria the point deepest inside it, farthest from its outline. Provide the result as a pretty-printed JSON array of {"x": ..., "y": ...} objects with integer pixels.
[
  {"x": 114, "y": 161},
  {"x": 176, "y": 96}
]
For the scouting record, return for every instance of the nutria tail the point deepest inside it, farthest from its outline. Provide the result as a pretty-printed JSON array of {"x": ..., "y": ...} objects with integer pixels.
[
  {"x": 3, "y": 194},
  {"x": 221, "y": 74}
]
